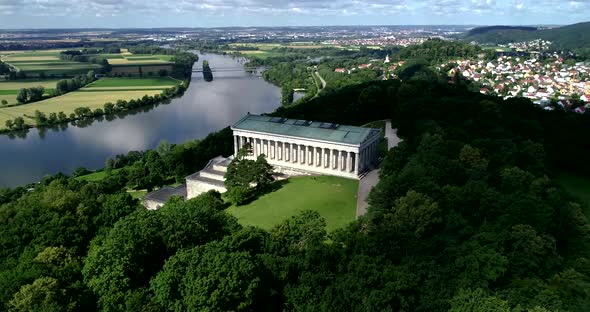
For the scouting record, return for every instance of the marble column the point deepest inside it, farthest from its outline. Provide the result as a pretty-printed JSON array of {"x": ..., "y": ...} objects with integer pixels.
[
  {"x": 318, "y": 156},
  {"x": 349, "y": 162},
  {"x": 280, "y": 150},
  {"x": 336, "y": 159},
  {"x": 356, "y": 164},
  {"x": 342, "y": 166},
  {"x": 301, "y": 154},
  {"x": 310, "y": 155},
  {"x": 326, "y": 156},
  {"x": 294, "y": 149},
  {"x": 236, "y": 147},
  {"x": 287, "y": 151}
]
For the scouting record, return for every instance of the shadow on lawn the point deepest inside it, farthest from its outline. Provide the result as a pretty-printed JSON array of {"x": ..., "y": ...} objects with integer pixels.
[{"x": 256, "y": 193}]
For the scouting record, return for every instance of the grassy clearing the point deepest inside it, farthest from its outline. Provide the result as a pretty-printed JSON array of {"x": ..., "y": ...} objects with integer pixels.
[
  {"x": 133, "y": 82},
  {"x": 17, "y": 85},
  {"x": 334, "y": 198},
  {"x": 96, "y": 176},
  {"x": 577, "y": 185}
]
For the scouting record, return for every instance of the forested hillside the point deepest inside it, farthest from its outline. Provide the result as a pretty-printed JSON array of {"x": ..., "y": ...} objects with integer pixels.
[
  {"x": 574, "y": 38},
  {"x": 436, "y": 51},
  {"x": 466, "y": 218}
]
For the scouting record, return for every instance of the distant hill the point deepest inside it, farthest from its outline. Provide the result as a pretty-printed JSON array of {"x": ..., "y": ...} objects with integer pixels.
[
  {"x": 574, "y": 37},
  {"x": 499, "y": 29}
]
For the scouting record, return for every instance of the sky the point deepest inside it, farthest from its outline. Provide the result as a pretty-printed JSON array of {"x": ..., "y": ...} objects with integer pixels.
[{"x": 215, "y": 13}]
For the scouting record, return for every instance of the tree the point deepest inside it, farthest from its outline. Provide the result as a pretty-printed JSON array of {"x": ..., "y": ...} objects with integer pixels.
[
  {"x": 287, "y": 94},
  {"x": 477, "y": 301},
  {"x": 415, "y": 213},
  {"x": 130, "y": 254},
  {"x": 4, "y": 102},
  {"x": 109, "y": 108},
  {"x": 44, "y": 294},
  {"x": 36, "y": 93},
  {"x": 207, "y": 72},
  {"x": 19, "y": 123},
  {"x": 245, "y": 177},
  {"x": 135, "y": 249},
  {"x": 40, "y": 118},
  {"x": 210, "y": 278},
  {"x": 23, "y": 95},
  {"x": 83, "y": 112}
]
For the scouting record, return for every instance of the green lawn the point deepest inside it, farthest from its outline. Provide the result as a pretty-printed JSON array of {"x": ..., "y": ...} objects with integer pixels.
[
  {"x": 576, "y": 185},
  {"x": 334, "y": 198},
  {"x": 133, "y": 82},
  {"x": 137, "y": 194},
  {"x": 95, "y": 176}
]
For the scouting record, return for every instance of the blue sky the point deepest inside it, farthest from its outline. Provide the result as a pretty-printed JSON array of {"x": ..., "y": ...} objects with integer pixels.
[{"x": 209, "y": 13}]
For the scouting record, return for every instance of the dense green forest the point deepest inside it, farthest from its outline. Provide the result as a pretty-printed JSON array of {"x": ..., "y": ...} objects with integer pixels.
[
  {"x": 436, "y": 51},
  {"x": 466, "y": 217},
  {"x": 574, "y": 38}
]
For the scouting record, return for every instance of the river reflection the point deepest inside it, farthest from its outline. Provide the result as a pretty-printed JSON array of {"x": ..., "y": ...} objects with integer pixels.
[{"x": 205, "y": 107}]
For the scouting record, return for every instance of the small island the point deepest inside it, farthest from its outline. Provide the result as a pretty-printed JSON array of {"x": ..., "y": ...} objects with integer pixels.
[{"x": 207, "y": 73}]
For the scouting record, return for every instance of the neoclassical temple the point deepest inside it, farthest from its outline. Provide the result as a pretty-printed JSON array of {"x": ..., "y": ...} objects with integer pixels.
[
  {"x": 291, "y": 146},
  {"x": 308, "y": 146}
]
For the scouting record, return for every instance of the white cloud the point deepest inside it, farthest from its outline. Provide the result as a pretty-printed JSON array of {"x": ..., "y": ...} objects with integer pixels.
[{"x": 142, "y": 13}]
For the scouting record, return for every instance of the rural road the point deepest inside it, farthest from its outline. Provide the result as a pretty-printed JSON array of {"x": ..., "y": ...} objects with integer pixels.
[
  {"x": 365, "y": 186},
  {"x": 321, "y": 79},
  {"x": 372, "y": 178}
]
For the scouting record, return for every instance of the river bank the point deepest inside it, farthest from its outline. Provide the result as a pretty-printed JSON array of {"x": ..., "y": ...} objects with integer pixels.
[{"x": 204, "y": 107}]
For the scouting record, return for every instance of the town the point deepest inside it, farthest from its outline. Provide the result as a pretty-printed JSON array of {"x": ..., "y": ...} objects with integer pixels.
[{"x": 545, "y": 82}]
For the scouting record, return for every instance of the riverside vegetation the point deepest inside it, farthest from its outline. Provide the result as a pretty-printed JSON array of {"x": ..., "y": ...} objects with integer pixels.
[
  {"x": 466, "y": 217},
  {"x": 101, "y": 97}
]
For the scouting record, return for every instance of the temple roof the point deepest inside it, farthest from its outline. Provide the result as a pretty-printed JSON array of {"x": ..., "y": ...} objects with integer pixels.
[
  {"x": 314, "y": 130},
  {"x": 162, "y": 195}
]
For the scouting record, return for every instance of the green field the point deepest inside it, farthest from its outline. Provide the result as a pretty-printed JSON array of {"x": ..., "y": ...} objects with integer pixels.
[
  {"x": 96, "y": 176},
  {"x": 576, "y": 185},
  {"x": 67, "y": 103},
  {"x": 47, "y": 62},
  {"x": 17, "y": 85},
  {"x": 334, "y": 198},
  {"x": 134, "y": 82},
  {"x": 140, "y": 59}
]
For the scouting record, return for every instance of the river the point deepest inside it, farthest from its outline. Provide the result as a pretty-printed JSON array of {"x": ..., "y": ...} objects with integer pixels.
[{"x": 205, "y": 107}]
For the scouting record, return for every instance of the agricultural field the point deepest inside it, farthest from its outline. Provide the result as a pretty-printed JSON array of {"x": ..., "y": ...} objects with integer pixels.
[
  {"x": 334, "y": 198},
  {"x": 266, "y": 50},
  {"x": 46, "y": 62},
  {"x": 138, "y": 59},
  {"x": 133, "y": 82},
  {"x": 92, "y": 96},
  {"x": 9, "y": 89}
]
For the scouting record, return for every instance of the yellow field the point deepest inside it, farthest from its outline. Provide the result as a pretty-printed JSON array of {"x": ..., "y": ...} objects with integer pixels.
[
  {"x": 90, "y": 88},
  {"x": 125, "y": 61},
  {"x": 68, "y": 102},
  {"x": 252, "y": 52},
  {"x": 29, "y": 51},
  {"x": 10, "y": 98},
  {"x": 16, "y": 57},
  {"x": 17, "y": 85}
]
